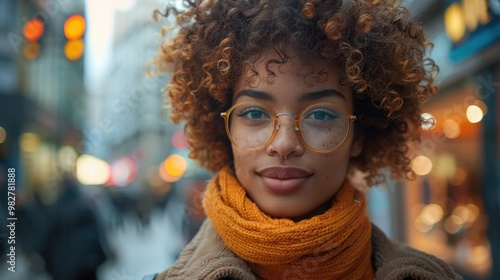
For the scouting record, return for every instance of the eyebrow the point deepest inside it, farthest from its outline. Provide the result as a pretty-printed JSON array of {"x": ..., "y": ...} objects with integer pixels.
[
  {"x": 257, "y": 94},
  {"x": 310, "y": 96},
  {"x": 315, "y": 95}
]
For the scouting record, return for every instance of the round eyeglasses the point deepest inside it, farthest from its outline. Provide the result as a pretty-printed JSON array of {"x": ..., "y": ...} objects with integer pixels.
[{"x": 321, "y": 127}]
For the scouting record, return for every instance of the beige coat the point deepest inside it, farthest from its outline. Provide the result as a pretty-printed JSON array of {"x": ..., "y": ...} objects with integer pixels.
[{"x": 207, "y": 257}]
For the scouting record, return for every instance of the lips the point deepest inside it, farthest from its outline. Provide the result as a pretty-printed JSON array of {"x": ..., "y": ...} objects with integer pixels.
[{"x": 283, "y": 179}]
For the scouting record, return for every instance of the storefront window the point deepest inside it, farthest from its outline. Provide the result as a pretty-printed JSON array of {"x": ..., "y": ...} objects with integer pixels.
[{"x": 446, "y": 215}]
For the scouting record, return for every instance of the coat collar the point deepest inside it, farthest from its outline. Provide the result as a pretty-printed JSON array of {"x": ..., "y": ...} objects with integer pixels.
[{"x": 207, "y": 257}]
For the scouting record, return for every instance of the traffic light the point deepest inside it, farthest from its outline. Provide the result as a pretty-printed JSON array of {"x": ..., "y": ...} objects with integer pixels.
[
  {"x": 33, "y": 31},
  {"x": 74, "y": 29}
]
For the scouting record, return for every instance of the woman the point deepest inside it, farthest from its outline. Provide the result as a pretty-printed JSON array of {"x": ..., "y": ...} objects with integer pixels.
[{"x": 285, "y": 101}]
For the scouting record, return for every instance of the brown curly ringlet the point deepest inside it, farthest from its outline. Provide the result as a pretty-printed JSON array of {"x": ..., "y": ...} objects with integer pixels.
[{"x": 378, "y": 48}]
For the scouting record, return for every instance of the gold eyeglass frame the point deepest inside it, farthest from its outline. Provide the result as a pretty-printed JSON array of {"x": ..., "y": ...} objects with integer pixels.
[{"x": 296, "y": 128}]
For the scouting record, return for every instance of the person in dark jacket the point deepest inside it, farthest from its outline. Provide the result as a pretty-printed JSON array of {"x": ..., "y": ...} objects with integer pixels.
[{"x": 73, "y": 248}]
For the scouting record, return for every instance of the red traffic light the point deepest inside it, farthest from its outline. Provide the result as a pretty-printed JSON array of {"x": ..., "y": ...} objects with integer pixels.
[{"x": 33, "y": 29}]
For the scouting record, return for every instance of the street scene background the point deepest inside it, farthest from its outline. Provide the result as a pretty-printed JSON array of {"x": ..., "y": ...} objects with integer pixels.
[{"x": 96, "y": 182}]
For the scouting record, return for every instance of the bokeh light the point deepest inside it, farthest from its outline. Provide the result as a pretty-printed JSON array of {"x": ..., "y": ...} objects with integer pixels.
[
  {"x": 33, "y": 29},
  {"x": 454, "y": 22},
  {"x": 451, "y": 128},
  {"x": 29, "y": 142},
  {"x": 474, "y": 114},
  {"x": 123, "y": 172},
  {"x": 479, "y": 255},
  {"x": 91, "y": 170},
  {"x": 165, "y": 175},
  {"x": 474, "y": 212},
  {"x": 74, "y": 27},
  {"x": 175, "y": 165},
  {"x": 73, "y": 49},
  {"x": 31, "y": 50},
  {"x": 421, "y": 226},
  {"x": 421, "y": 165},
  {"x": 66, "y": 157},
  {"x": 457, "y": 220},
  {"x": 428, "y": 121},
  {"x": 432, "y": 214},
  {"x": 451, "y": 226},
  {"x": 3, "y": 135},
  {"x": 179, "y": 140},
  {"x": 446, "y": 165}
]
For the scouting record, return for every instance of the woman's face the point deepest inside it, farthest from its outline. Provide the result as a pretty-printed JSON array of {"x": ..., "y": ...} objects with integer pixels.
[{"x": 285, "y": 178}]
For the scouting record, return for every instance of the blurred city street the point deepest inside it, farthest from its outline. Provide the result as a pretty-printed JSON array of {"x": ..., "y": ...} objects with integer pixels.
[
  {"x": 134, "y": 248},
  {"x": 141, "y": 251},
  {"x": 101, "y": 180}
]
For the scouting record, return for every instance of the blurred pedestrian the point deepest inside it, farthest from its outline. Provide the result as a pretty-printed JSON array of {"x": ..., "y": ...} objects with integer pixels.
[
  {"x": 286, "y": 101},
  {"x": 73, "y": 248}
]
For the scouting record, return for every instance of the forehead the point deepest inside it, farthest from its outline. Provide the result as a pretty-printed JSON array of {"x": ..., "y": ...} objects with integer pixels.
[
  {"x": 291, "y": 81},
  {"x": 270, "y": 66}
]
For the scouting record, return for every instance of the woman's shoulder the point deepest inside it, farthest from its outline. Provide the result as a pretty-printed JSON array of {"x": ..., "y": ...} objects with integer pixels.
[
  {"x": 397, "y": 261},
  {"x": 207, "y": 257}
]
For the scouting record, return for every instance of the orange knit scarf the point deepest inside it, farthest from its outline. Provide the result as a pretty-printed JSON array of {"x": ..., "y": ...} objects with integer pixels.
[{"x": 333, "y": 245}]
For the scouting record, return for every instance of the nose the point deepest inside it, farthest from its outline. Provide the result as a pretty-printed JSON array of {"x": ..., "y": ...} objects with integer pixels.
[{"x": 286, "y": 140}]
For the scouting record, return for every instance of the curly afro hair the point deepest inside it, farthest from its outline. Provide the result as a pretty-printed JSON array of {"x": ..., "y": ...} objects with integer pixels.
[{"x": 379, "y": 49}]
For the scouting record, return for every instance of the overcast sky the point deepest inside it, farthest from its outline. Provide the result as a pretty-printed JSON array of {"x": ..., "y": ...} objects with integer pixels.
[{"x": 99, "y": 15}]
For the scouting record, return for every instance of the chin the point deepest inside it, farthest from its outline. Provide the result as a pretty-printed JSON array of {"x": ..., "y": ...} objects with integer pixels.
[
  {"x": 291, "y": 211},
  {"x": 285, "y": 212}
]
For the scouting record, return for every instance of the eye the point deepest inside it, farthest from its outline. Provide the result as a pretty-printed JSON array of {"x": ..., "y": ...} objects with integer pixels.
[
  {"x": 254, "y": 113},
  {"x": 321, "y": 114}
]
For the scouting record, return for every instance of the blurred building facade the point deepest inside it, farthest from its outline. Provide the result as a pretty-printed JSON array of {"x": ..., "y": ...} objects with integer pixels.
[
  {"x": 127, "y": 116},
  {"x": 450, "y": 209},
  {"x": 41, "y": 97},
  {"x": 129, "y": 127}
]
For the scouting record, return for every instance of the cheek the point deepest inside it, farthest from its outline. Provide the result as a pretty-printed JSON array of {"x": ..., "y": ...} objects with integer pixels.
[
  {"x": 334, "y": 165},
  {"x": 243, "y": 161},
  {"x": 241, "y": 157}
]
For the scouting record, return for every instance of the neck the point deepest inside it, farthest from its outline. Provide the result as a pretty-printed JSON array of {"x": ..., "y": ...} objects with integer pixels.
[{"x": 316, "y": 212}]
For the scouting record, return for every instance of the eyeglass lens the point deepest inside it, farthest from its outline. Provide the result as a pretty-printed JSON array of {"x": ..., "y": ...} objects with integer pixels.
[{"x": 323, "y": 126}]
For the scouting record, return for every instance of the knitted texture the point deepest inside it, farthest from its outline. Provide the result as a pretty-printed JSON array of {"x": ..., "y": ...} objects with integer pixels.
[
  {"x": 333, "y": 245},
  {"x": 206, "y": 257}
]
